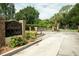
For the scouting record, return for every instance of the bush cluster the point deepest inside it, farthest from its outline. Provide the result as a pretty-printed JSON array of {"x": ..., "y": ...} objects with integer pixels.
[
  {"x": 17, "y": 41},
  {"x": 31, "y": 35}
]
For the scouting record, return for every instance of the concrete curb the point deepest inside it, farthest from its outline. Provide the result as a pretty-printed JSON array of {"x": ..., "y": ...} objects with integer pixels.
[{"x": 19, "y": 48}]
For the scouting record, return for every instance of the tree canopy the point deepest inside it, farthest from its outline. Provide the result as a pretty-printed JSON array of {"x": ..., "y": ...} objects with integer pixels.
[
  {"x": 7, "y": 10},
  {"x": 58, "y": 18},
  {"x": 72, "y": 18},
  {"x": 68, "y": 17},
  {"x": 65, "y": 9},
  {"x": 45, "y": 23},
  {"x": 30, "y": 14}
]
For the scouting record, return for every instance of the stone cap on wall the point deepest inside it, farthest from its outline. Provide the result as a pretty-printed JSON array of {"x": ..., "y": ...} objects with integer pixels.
[{"x": 2, "y": 17}]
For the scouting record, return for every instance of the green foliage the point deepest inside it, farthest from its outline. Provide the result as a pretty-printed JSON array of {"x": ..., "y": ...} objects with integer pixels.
[
  {"x": 44, "y": 23},
  {"x": 31, "y": 35},
  {"x": 28, "y": 36},
  {"x": 68, "y": 17},
  {"x": 65, "y": 9},
  {"x": 17, "y": 41},
  {"x": 56, "y": 20},
  {"x": 30, "y": 14},
  {"x": 8, "y": 10},
  {"x": 72, "y": 18}
]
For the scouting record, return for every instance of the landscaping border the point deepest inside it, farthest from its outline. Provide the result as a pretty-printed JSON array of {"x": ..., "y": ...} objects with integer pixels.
[{"x": 9, "y": 53}]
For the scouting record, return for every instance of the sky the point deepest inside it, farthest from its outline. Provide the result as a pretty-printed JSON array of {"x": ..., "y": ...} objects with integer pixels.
[{"x": 46, "y": 10}]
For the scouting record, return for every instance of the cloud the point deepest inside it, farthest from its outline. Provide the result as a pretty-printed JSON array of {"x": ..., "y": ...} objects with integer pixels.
[{"x": 46, "y": 12}]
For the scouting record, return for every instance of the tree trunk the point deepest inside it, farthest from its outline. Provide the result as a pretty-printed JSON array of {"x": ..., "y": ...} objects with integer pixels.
[
  {"x": 52, "y": 28},
  {"x": 66, "y": 27},
  {"x": 78, "y": 28},
  {"x": 29, "y": 28},
  {"x": 36, "y": 29},
  {"x": 58, "y": 26}
]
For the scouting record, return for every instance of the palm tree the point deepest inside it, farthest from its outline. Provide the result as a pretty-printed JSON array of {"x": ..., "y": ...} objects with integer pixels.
[
  {"x": 56, "y": 21},
  {"x": 58, "y": 17}
]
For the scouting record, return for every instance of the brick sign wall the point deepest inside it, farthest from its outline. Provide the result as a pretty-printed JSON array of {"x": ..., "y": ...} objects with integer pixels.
[
  {"x": 2, "y": 32},
  {"x": 13, "y": 28}
]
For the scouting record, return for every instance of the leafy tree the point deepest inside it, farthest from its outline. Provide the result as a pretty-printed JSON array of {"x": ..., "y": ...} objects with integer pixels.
[
  {"x": 30, "y": 14},
  {"x": 7, "y": 10},
  {"x": 72, "y": 17},
  {"x": 11, "y": 11},
  {"x": 44, "y": 23},
  {"x": 65, "y": 9},
  {"x": 58, "y": 19}
]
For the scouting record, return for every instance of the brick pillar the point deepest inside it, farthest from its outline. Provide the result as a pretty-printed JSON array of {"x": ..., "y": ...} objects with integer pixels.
[
  {"x": 2, "y": 31},
  {"x": 23, "y": 28},
  {"x": 36, "y": 29}
]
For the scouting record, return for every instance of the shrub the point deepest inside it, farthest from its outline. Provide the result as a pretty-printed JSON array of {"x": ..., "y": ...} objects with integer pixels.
[
  {"x": 78, "y": 30},
  {"x": 17, "y": 41},
  {"x": 28, "y": 36},
  {"x": 31, "y": 35}
]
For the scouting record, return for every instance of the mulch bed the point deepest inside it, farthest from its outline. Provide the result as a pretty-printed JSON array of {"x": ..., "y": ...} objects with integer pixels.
[{"x": 6, "y": 48}]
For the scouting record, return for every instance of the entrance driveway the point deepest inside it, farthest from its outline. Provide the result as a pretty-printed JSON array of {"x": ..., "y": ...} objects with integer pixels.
[{"x": 54, "y": 44}]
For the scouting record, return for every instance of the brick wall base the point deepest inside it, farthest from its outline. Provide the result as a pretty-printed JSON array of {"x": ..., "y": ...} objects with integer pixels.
[{"x": 2, "y": 32}]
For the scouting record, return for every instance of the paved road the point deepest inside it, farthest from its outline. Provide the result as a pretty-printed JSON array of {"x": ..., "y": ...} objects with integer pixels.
[{"x": 54, "y": 44}]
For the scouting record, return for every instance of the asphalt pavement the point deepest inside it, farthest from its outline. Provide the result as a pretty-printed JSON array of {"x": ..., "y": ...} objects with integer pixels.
[{"x": 54, "y": 44}]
